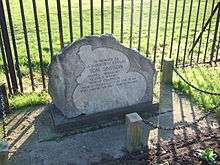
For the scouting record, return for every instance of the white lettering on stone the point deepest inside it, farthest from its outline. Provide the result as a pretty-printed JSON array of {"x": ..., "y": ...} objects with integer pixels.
[{"x": 106, "y": 82}]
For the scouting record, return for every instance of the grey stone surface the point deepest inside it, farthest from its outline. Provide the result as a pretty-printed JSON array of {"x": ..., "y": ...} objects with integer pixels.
[
  {"x": 4, "y": 150},
  {"x": 167, "y": 73},
  {"x": 98, "y": 120},
  {"x": 134, "y": 136},
  {"x": 96, "y": 74}
]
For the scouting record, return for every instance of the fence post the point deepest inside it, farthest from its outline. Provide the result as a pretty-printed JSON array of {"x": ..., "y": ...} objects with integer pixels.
[
  {"x": 4, "y": 97},
  {"x": 59, "y": 16},
  {"x": 134, "y": 132},
  {"x": 215, "y": 34},
  {"x": 5, "y": 65},
  {"x": 8, "y": 52},
  {"x": 167, "y": 71},
  {"x": 4, "y": 147}
]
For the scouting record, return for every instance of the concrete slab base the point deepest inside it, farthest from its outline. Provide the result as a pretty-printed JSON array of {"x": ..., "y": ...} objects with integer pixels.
[{"x": 98, "y": 120}]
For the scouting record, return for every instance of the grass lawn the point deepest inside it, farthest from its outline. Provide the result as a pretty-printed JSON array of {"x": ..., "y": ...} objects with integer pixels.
[
  {"x": 206, "y": 78},
  {"x": 198, "y": 76},
  {"x": 28, "y": 9},
  {"x": 23, "y": 100}
]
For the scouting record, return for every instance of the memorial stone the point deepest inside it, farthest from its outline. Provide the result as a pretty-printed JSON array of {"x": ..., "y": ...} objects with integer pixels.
[{"x": 96, "y": 74}]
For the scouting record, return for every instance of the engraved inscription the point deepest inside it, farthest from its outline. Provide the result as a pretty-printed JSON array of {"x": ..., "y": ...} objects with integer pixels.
[{"x": 106, "y": 82}]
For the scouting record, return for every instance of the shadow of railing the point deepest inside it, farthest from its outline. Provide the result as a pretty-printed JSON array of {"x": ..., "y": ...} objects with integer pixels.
[
  {"x": 25, "y": 132},
  {"x": 18, "y": 122},
  {"x": 195, "y": 127},
  {"x": 183, "y": 113}
]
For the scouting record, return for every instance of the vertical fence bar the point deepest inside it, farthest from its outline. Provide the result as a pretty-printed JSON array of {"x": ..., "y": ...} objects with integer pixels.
[
  {"x": 49, "y": 28},
  {"x": 60, "y": 24},
  {"x": 112, "y": 16},
  {"x": 5, "y": 65},
  {"x": 3, "y": 111},
  {"x": 102, "y": 16},
  {"x": 131, "y": 22},
  {"x": 140, "y": 25},
  {"x": 165, "y": 33},
  {"x": 70, "y": 20},
  {"x": 4, "y": 107},
  {"x": 39, "y": 43},
  {"x": 27, "y": 44},
  {"x": 157, "y": 30},
  {"x": 204, "y": 28},
  {"x": 174, "y": 24},
  {"x": 122, "y": 20},
  {"x": 91, "y": 17},
  {"x": 187, "y": 32},
  {"x": 180, "y": 35},
  {"x": 207, "y": 41},
  {"x": 195, "y": 31},
  {"x": 8, "y": 48},
  {"x": 215, "y": 35},
  {"x": 80, "y": 18},
  {"x": 14, "y": 44},
  {"x": 203, "y": 22},
  {"x": 218, "y": 47},
  {"x": 149, "y": 28}
]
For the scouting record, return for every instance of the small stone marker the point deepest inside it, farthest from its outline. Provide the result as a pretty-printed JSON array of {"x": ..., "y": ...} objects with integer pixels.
[
  {"x": 134, "y": 132},
  {"x": 4, "y": 147},
  {"x": 96, "y": 74},
  {"x": 167, "y": 72}
]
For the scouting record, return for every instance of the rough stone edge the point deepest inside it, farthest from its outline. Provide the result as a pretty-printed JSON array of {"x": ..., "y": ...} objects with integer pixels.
[
  {"x": 101, "y": 39},
  {"x": 97, "y": 120},
  {"x": 103, "y": 36}
]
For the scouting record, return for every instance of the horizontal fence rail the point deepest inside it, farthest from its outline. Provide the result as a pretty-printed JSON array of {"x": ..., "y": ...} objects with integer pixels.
[{"x": 32, "y": 32}]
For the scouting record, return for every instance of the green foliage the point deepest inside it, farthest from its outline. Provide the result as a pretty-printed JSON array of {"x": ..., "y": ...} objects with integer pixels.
[
  {"x": 206, "y": 78},
  {"x": 209, "y": 155},
  {"x": 28, "y": 99},
  {"x": 30, "y": 23}
]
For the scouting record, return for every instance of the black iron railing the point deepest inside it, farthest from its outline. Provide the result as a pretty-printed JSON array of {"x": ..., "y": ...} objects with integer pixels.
[{"x": 185, "y": 30}]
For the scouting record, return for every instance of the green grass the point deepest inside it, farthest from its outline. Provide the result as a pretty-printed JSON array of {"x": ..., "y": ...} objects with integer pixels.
[
  {"x": 29, "y": 99},
  {"x": 206, "y": 78},
  {"x": 15, "y": 11},
  {"x": 32, "y": 99}
]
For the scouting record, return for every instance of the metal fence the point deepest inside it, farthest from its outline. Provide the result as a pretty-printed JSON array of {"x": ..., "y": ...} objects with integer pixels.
[{"x": 33, "y": 31}]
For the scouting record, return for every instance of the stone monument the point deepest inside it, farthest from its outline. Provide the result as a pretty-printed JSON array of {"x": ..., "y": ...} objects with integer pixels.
[{"x": 97, "y": 74}]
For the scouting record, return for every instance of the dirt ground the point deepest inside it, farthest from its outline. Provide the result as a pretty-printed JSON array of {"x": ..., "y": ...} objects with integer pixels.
[
  {"x": 182, "y": 149},
  {"x": 34, "y": 141}
]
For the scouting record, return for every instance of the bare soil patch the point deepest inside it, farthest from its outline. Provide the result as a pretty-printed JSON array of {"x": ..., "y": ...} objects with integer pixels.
[{"x": 180, "y": 150}]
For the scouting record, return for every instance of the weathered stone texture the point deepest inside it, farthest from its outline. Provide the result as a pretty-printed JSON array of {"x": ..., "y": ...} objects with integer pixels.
[{"x": 95, "y": 74}]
